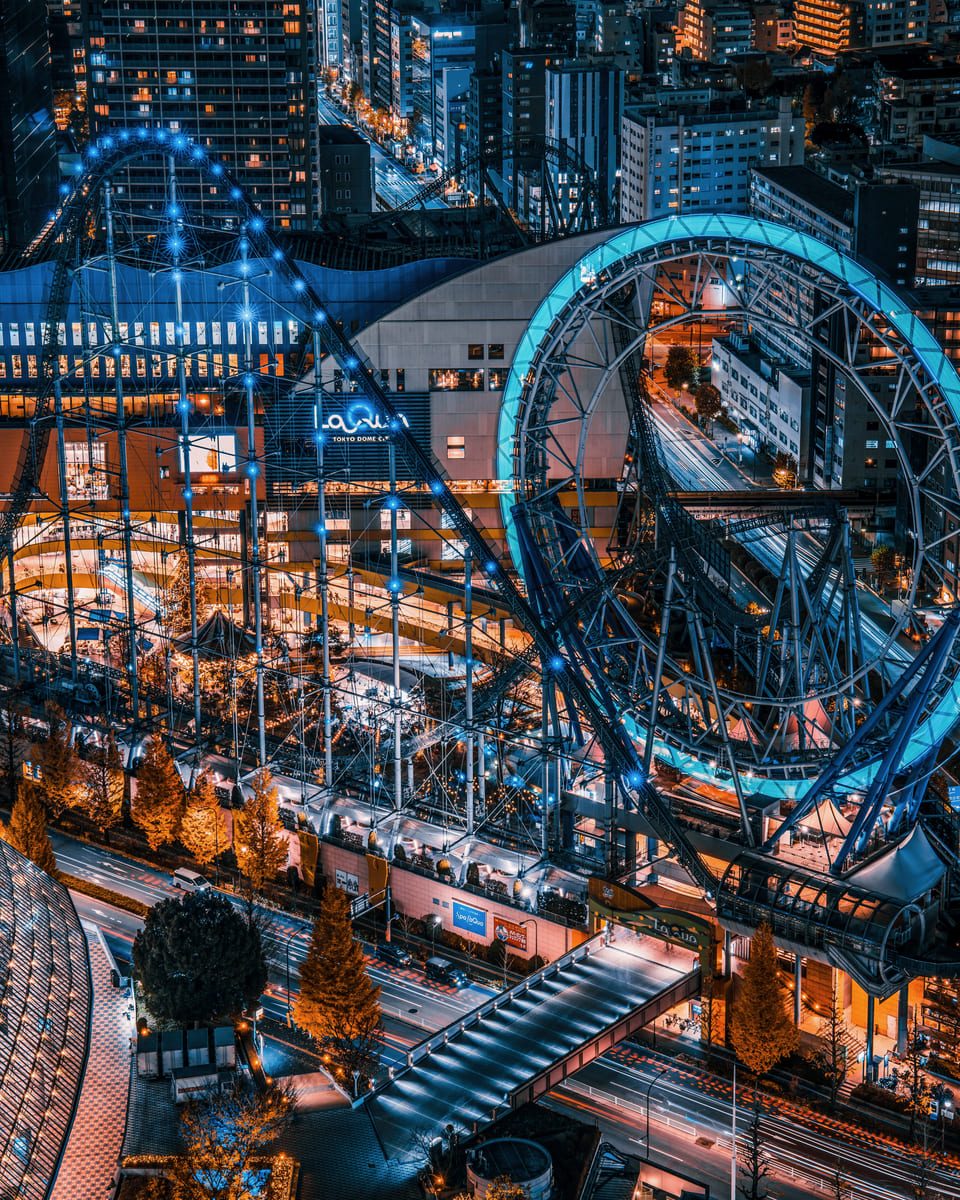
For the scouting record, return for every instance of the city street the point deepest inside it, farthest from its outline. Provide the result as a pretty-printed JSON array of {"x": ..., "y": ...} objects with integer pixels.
[
  {"x": 395, "y": 184},
  {"x": 689, "y": 1111}
]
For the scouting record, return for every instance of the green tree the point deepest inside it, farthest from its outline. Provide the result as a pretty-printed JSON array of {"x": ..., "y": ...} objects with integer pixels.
[
  {"x": 709, "y": 402},
  {"x": 159, "y": 800},
  {"x": 202, "y": 830},
  {"x": 223, "y": 1136},
  {"x": 27, "y": 831},
  {"x": 883, "y": 560},
  {"x": 59, "y": 766},
  {"x": 761, "y": 1030},
  {"x": 198, "y": 959},
  {"x": 338, "y": 1005},
  {"x": 104, "y": 782},
  {"x": 680, "y": 366},
  {"x": 261, "y": 843}
]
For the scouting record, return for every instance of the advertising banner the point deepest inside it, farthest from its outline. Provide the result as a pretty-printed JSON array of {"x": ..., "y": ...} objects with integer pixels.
[
  {"x": 510, "y": 932},
  {"x": 348, "y": 883},
  {"x": 470, "y": 920}
]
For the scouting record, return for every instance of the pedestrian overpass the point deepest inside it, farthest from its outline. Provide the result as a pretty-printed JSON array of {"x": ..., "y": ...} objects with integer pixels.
[{"x": 524, "y": 1042}]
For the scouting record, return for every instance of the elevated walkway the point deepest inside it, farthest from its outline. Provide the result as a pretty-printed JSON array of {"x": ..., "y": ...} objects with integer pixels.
[{"x": 524, "y": 1042}]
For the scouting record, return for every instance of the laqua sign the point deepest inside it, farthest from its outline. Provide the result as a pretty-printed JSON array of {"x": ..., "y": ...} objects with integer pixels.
[
  {"x": 359, "y": 423},
  {"x": 469, "y": 919}
]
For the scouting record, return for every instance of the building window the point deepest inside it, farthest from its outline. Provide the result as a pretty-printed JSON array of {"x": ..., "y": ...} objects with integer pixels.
[
  {"x": 495, "y": 350},
  {"x": 475, "y": 351},
  {"x": 455, "y": 447},
  {"x": 401, "y": 384},
  {"x": 440, "y": 379},
  {"x": 85, "y": 480},
  {"x": 497, "y": 378}
]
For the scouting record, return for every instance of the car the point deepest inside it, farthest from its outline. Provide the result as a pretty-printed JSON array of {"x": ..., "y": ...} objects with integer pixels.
[
  {"x": 189, "y": 881},
  {"x": 390, "y": 952},
  {"x": 443, "y": 971}
]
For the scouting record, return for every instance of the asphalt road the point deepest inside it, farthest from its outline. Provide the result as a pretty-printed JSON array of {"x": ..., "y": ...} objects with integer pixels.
[
  {"x": 690, "y": 1113},
  {"x": 412, "y": 1005},
  {"x": 395, "y": 184},
  {"x": 690, "y": 1131}
]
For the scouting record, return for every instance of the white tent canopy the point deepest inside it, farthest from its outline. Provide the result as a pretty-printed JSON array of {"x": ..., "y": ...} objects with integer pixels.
[
  {"x": 905, "y": 871},
  {"x": 827, "y": 819}
]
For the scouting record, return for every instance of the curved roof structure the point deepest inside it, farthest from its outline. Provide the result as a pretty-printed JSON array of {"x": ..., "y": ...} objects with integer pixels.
[{"x": 44, "y": 1023}]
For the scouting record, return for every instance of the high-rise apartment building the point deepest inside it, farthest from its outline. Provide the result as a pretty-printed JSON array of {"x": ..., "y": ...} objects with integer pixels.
[
  {"x": 712, "y": 30},
  {"x": 828, "y": 26},
  {"x": 584, "y": 104},
  {"x": 28, "y": 141},
  {"x": 697, "y": 158},
  {"x": 239, "y": 79}
]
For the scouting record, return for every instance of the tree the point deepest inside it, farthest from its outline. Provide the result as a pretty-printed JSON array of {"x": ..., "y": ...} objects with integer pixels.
[
  {"x": 710, "y": 1015},
  {"x": 177, "y": 603},
  {"x": 159, "y": 800},
  {"x": 198, "y": 959},
  {"x": 831, "y": 1054},
  {"x": 680, "y": 366},
  {"x": 11, "y": 746},
  {"x": 762, "y": 1032},
  {"x": 500, "y": 1188},
  {"x": 202, "y": 830},
  {"x": 915, "y": 1079},
  {"x": 104, "y": 783},
  {"x": 785, "y": 470},
  {"x": 59, "y": 766},
  {"x": 338, "y": 1004},
  {"x": 261, "y": 844},
  {"x": 752, "y": 1160},
  {"x": 708, "y": 402},
  {"x": 883, "y": 560},
  {"x": 27, "y": 831},
  {"x": 222, "y": 1137}
]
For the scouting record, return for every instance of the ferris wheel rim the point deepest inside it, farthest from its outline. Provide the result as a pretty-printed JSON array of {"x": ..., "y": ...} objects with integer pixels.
[{"x": 608, "y": 265}]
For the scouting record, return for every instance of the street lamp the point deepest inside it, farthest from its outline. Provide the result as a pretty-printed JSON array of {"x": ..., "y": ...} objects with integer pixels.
[{"x": 650, "y": 1087}]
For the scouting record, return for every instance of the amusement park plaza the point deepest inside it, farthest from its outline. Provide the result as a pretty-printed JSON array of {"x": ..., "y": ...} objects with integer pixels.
[{"x": 589, "y": 599}]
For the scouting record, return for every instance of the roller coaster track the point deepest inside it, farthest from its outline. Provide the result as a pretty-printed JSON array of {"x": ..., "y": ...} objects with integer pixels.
[{"x": 579, "y": 676}]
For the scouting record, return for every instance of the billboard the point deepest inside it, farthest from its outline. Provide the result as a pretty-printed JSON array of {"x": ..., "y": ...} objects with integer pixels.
[
  {"x": 213, "y": 453},
  {"x": 510, "y": 932},
  {"x": 470, "y": 920}
]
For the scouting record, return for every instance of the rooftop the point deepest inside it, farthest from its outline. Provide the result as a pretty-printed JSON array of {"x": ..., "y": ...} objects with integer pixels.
[
  {"x": 815, "y": 191},
  {"x": 44, "y": 1023},
  {"x": 340, "y": 135},
  {"x": 93, "y": 1147}
]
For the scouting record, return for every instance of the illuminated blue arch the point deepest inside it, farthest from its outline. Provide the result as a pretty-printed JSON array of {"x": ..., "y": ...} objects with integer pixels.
[{"x": 765, "y": 235}]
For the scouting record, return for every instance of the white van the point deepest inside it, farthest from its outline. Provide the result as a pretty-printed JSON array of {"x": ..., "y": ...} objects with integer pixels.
[{"x": 189, "y": 881}]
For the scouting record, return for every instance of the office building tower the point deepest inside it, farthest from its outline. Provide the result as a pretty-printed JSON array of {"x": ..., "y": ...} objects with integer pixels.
[
  {"x": 240, "y": 80},
  {"x": 28, "y": 142},
  {"x": 713, "y": 30},
  {"x": 584, "y": 104}
]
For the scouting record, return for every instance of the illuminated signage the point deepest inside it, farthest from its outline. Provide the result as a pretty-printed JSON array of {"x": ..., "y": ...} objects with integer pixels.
[
  {"x": 510, "y": 932},
  {"x": 469, "y": 919},
  {"x": 359, "y": 423}
]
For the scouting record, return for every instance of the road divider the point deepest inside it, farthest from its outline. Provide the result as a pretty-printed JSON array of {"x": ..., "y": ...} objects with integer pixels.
[{"x": 87, "y": 888}]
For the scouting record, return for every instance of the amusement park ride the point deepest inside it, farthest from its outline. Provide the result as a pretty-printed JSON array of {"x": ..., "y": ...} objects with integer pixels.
[{"x": 711, "y": 721}]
